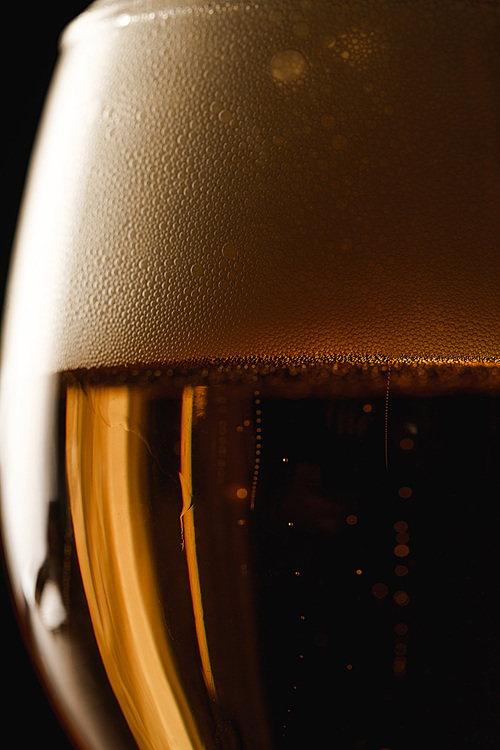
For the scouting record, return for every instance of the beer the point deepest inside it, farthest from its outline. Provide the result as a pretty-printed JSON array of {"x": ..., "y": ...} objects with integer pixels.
[
  {"x": 268, "y": 556},
  {"x": 251, "y": 351}
]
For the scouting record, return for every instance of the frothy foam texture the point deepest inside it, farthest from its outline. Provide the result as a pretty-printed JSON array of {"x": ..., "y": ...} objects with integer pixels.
[{"x": 280, "y": 180}]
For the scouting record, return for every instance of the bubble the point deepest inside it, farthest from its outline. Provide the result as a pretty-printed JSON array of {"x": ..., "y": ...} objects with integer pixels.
[
  {"x": 399, "y": 665},
  {"x": 406, "y": 444},
  {"x": 288, "y": 65},
  {"x": 401, "y": 598},
  {"x": 380, "y": 590},
  {"x": 401, "y": 550},
  {"x": 405, "y": 492}
]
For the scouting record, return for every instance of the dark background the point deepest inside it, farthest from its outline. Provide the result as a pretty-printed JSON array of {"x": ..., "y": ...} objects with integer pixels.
[{"x": 31, "y": 32}]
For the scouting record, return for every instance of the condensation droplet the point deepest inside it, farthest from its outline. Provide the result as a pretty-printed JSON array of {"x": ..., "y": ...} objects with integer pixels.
[
  {"x": 197, "y": 270},
  {"x": 225, "y": 116},
  {"x": 288, "y": 65},
  {"x": 229, "y": 250},
  {"x": 329, "y": 41},
  {"x": 216, "y": 107},
  {"x": 339, "y": 141},
  {"x": 328, "y": 121},
  {"x": 301, "y": 29}
]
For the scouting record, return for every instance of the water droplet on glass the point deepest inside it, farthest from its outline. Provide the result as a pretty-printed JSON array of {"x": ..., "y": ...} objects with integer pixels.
[
  {"x": 339, "y": 141},
  {"x": 225, "y": 116},
  {"x": 288, "y": 65},
  {"x": 197, "y": 270},
  {"x": 229, "y": 250},
  {"x": 301, "y": 29},
  {"x": 328, "y": 121},
  {"x": 216, "y": 107}
]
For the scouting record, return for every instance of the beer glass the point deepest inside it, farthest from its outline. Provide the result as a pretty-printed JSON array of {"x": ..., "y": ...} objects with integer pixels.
[{"x": 250, "y": 376}]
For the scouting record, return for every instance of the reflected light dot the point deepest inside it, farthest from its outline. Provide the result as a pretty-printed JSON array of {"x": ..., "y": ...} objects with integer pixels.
[
  {"x": 241, "y": 493},
  {"x": 401, "y": 570},
  {"x": 405, "y": 492},
  {"x": 401, "y": 628},
  {"x": 288, "y": 65},
  {"x": 351, "y": 520},
  {"x": 359, "y": 572}
]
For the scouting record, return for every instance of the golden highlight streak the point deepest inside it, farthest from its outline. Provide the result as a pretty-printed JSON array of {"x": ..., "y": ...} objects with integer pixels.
[
  {"x": 104, "y": 458},
  {"x": 189, "y": 533}
]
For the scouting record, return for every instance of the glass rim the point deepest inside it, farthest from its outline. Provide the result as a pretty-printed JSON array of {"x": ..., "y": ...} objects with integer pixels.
[{"x": 123, "y": 13}]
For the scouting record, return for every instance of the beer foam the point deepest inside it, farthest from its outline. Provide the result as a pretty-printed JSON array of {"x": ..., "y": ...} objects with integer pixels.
[{"x": 279, "y": 180}]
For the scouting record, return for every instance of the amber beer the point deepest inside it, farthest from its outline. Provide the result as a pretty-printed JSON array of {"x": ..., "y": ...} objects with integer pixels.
[
  {"x": 291, "y": 557},
  {"x": 253, "y": 338}
]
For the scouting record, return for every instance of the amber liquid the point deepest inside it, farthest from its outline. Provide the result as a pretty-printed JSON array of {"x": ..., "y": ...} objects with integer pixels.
[{"x": 290, "y": 559}]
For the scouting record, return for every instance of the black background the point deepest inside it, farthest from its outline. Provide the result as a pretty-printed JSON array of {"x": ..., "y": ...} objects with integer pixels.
[{"x": 31, "y": 33}]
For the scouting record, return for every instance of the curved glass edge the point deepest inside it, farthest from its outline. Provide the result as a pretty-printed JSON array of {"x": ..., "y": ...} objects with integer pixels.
[{"x": 121, "y": 13}]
